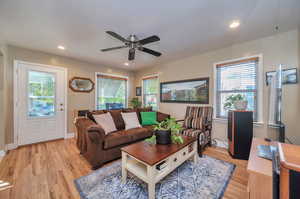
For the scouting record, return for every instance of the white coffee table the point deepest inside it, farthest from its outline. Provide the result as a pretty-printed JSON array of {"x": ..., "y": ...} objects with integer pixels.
[{"x": 144, "y": 160}]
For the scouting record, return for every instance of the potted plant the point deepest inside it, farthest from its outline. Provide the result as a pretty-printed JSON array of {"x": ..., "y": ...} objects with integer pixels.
[
  {"x": 166, "y": 132},
  {"x": 236, "y": 101},
  {"x": 135, "y": 103}
]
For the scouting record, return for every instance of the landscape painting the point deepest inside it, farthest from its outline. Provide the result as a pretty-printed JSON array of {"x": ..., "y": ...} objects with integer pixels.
[{"x": 192, "y": 91}]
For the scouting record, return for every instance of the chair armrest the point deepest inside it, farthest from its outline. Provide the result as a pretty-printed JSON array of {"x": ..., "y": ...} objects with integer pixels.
[
  {"x": 208, "y": 125},
  {"x": 162, "y": 116},
  {"x": 96, "y": 134}
]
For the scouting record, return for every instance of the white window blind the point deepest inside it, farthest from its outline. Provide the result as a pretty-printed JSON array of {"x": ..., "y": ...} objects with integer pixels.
[
  {"x": 150, "y": 92},
  {"x": 111, "y": 92},
  {"x": 239, "y": 77}
]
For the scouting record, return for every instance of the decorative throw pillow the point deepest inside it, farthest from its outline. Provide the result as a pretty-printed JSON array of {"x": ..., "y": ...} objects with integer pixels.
[
  {"x": 90, "y": 115},
  {"x": 139, "y": 110},
  {"x": 106, "y": 121},
  {"x": 131, "y": 120},
  {"x": 193, "y": 122},
  {"x": 149, "y": 118}
]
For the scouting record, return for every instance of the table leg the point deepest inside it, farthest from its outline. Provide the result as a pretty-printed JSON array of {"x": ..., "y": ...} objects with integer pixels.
[
  {"x": 151, "y": 190},
  {"x": 124, "y": 171},
  {"x": 151, "y": 182},
  {"x": 196, "y": 154},
  {"x": 195, "y": 158}
]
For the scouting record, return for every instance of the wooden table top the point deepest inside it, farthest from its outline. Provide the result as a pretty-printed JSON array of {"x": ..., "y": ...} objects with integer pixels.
[
  {"x": 154, "y": 153},
  {"x": 289, "y": 156},
  {"x": 257, "y": 164}
]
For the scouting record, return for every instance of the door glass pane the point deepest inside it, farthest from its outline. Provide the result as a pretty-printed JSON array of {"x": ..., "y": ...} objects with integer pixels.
[{"x": 41, "y": 94}]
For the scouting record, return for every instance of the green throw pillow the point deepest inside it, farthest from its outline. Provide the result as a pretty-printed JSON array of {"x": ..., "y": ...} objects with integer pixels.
[{"x": 148, "y": 118}]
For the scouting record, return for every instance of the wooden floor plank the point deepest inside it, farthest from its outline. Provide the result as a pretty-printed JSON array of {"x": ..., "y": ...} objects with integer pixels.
[{"x": 47, "y": 171}]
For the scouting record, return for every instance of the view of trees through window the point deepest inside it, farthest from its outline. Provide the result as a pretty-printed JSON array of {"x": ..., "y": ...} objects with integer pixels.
[
  {"x": 150, "y": 92},
  {"x": 111, "y": 93},
  {"x": 41, "y": 96}
]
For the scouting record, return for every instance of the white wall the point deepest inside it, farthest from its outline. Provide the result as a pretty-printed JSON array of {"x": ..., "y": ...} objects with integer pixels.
[
  {"x": 282, "y": 48},
  {"x": 75, "y": 68}
]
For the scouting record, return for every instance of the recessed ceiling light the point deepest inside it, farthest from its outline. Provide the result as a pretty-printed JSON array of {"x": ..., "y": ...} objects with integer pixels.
[
  {"x": 234, "y": 24},
  {"x": 61, "y": 47},
  {"x": 126, "y": 64}
]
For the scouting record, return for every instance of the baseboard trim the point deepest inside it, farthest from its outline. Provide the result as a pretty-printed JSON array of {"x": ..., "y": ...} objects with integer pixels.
[
  {"x": 11, "y": 146},
  {"x": 70, "y": 135}
]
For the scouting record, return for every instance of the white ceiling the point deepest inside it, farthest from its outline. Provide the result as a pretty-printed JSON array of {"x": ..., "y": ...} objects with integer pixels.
[{"x": 185, "y": 27}]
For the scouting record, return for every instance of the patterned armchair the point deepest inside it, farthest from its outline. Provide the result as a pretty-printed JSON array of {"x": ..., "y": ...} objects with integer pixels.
[{"x": 198, "y": 122}]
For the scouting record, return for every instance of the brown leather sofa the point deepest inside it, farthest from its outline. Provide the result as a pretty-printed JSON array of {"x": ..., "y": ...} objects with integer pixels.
[{"x": 99, "y": 148}]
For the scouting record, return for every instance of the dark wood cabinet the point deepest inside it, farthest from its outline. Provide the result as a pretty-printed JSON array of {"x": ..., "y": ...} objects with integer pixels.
[{"x": 240, "y": 133}]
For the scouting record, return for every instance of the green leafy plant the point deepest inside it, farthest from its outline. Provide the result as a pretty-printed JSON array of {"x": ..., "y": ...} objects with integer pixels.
[
  {"x": 151, "y": 140},
  {"x": 230, "y": 100},
  {"x": 166, "y": 125},
  {"x": 135, "y": 103}
]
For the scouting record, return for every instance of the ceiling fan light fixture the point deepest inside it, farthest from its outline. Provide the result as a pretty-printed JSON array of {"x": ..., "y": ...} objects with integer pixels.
[
  {"x": 133, "y": 43},
  {"x": 126, "y": 64}
]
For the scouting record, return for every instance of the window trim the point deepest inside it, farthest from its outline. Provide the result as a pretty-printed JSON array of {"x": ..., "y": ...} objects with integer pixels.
[
  {"x": 260, "y": 88},
  {"x": 111, "y": 75},
  {"x": 158, "y": 94}
]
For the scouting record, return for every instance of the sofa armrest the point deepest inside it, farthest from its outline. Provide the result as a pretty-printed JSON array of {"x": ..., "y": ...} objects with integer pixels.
[
  {"x": 96, "y": 134},
  {"x": 162, "y": 116}
]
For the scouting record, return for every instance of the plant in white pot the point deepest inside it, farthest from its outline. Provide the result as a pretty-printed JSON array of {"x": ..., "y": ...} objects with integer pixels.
[{"x": 236, "y": 102}]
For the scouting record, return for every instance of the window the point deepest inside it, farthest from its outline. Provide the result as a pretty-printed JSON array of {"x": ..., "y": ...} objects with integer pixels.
[
  {"x": 111, "y": 92},
  {"x": 237, "y": 77},
  {"x": 150, "y": 92},
  {"x": 41, "y": 95}
]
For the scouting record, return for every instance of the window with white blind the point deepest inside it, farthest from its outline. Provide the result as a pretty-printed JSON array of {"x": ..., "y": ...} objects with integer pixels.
[
  {"x": 237, "y": 77},
  {"x": 150, "y": 92},
  {"x": 111, "y": 92}
]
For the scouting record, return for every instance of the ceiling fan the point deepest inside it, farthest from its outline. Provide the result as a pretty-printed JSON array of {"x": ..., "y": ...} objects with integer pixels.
[{"x": 133, "y": 43}]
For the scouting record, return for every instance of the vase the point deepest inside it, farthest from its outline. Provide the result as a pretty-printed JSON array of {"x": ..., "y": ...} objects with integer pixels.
[
  {"x": 241, "y": 105},
  {"x": 163, "y": 137}
]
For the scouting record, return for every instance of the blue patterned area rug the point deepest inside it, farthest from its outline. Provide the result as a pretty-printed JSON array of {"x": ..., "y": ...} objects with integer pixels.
[{"x": 207, "y": 179}]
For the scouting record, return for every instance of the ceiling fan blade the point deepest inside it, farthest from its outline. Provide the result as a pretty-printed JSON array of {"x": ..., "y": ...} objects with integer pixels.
[
  {"x": 148, "y": 40},
  {"x": 152, "y": 52},
  {"x": 113, "y": 48},
  {"x": 117, "y": 36},
  {"x": 131, "y": 54}
]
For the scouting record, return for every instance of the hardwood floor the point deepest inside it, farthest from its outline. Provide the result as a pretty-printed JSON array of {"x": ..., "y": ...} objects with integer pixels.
[{"x": 47, "y": 170}]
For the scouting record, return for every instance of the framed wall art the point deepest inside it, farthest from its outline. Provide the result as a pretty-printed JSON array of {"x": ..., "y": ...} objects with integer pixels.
[{"x": 191, "y": 91}]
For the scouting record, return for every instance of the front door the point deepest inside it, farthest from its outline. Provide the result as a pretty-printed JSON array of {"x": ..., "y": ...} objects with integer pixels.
[{"x": 40, "y": 102}]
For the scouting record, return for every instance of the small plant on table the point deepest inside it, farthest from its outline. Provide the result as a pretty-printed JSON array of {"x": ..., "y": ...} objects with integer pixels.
[{"x": 168, "y": 126}]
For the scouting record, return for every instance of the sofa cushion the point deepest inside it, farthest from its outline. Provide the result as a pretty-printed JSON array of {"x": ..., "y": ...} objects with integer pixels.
[
  {"x": 149, "y": 127},
  {"x": 131, "y": 120},
  {"x": 106, "y": 122},
  {"x": 140, "y": 133},
  {"x": 139, "y": 110},
  {"x": 149, "y": 118},
  {"x": 97, "y": 112},
  {"x": 125, "y": 136},
  {"x": 119, "y": 122}
]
